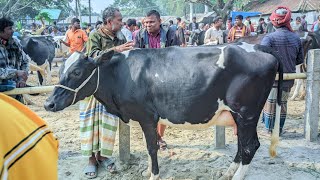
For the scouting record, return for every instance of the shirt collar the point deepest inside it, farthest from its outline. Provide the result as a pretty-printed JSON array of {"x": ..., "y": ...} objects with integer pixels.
[{"x": 158, "y": 34}]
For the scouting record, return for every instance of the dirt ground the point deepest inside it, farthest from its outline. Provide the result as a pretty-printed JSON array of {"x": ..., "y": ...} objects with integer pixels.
[{"x": 191, "y": 154}]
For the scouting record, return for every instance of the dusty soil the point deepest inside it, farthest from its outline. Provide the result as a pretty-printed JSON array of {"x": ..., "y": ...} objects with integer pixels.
[{"x": 191, "y": 154}]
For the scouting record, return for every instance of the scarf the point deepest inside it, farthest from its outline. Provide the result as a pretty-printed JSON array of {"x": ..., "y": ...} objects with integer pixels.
[{"x": 281, "y": 18}]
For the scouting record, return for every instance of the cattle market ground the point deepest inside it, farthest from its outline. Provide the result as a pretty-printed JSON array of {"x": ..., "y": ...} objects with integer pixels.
[{"x": 191, "y": 154}]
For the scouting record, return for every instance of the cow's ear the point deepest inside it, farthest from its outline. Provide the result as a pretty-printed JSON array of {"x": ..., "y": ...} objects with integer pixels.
[{"x": 104, "y": 57}]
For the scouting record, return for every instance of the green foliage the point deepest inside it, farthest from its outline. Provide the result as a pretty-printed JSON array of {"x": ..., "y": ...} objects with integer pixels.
[
  {"x": 18, "y": 26},
  {"x": 84, "y": 24},
  {"x": 32, "y": 8},
  {"x": 45, "y": 16}
]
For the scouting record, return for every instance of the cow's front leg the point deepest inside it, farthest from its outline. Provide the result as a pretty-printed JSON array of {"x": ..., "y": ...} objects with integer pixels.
[{"x": 150, "y": 133}]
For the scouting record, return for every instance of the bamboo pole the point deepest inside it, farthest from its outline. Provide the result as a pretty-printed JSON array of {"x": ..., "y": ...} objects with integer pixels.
[
  {"x": 29, "y": 90},
  {"x": 45, "y": 89},
  {"x": 292, "y": 76}
]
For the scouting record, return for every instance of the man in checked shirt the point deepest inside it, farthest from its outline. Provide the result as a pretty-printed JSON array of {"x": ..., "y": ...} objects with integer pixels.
[{"x": 14, "y": 63}]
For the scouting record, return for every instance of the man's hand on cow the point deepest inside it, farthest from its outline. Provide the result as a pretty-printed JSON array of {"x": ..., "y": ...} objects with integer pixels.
[
  {"x": 124, "y": 47},
  {"x": 22, "y": 75}
]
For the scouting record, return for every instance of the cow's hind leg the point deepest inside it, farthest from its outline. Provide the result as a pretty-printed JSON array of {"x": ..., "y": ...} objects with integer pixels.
[{"x": 150, "y": 132}]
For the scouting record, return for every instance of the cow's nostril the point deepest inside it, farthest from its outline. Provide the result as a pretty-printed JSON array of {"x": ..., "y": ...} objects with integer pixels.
[{"x": 49, "y": 106}]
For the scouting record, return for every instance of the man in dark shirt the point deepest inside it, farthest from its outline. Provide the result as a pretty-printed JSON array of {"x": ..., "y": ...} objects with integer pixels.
[
  {"x": 181, "y": 41},
  {"x": 154, "y": 35},
  {"x": 288, "y": 46}
]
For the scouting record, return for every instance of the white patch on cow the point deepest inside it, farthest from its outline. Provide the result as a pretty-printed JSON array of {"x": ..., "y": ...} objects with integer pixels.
[
  {"x": 241, "y": 172},
  {"x": 126, "y": 53},
  {"x": 232, "y": 170},
  {"x": 72, "y": 59},
  {"x": 133, "y": 123},
  {"x": 220, "y": 61},
  {"x": 247, "y": 47},
  {"x": 157, "y": 76},
  {"x": 211, "y": 122},
  {"x": 305, "y": 35},
  {"x": 154, "y": 177}
]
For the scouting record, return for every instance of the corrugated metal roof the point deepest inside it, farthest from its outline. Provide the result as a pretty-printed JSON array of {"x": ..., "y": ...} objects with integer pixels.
[{"x": 294, "y": 5}]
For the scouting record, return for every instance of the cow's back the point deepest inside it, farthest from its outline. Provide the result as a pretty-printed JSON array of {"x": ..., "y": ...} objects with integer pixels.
[
  {"x": 41, "y": 51},
  {"x": 192, "y": 80}
]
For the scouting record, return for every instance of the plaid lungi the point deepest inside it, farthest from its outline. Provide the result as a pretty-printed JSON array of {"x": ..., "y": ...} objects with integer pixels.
[
  {"x": 269, "y": 110},
  {"x": 97, "y": 128}
]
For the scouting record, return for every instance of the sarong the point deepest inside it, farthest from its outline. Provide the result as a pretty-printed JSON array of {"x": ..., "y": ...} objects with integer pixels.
[
  {"x": 269, "y": 110},
  {"x": 97, "y": 128}
]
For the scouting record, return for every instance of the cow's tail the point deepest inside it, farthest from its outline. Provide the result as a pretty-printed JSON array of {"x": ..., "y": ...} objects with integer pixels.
[{"x": 276, "y": 129}]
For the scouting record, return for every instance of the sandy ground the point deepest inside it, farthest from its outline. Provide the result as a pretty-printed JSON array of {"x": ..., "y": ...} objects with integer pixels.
[{"x": 194, "y": 157}]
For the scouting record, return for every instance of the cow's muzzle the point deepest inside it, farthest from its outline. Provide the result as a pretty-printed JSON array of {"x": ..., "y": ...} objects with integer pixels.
[{"x": 50, "y": 106}]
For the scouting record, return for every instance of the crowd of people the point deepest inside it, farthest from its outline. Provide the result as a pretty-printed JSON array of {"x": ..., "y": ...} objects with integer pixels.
[{"x": 97, "y": 126}]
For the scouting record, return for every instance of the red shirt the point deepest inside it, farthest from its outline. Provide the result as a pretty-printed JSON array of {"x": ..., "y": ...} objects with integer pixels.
[{"x": 154, "y": 41}]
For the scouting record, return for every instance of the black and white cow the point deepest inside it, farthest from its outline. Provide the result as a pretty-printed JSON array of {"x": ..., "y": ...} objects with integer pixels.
[
  {"x": 41, "y": 50},
  {"x": 180, "y": 87}
]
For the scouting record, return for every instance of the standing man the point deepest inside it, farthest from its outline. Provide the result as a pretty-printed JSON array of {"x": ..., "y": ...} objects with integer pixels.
[
  {"x": 129, "y": 28},
  {"x": 214, "y": 35},
  {"x": 14, "y": 63},
  {"x": 247, "y": 22},
  {"x": 181, "y": 41},
  {"x": 238, "y": 30},
  {"x": 98, "y": 127},
  {"x": 262, "y": 27},
  {"x": 76, "y": 37},
  {"x": 304, "y": 23},
  {"x": 194, "y": 25},
  {"x": 155, "y": 36},
  {"x": 288, "y": 46}
]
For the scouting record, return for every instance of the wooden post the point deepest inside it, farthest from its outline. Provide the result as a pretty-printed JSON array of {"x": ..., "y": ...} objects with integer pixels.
[
  {"x": 220, "y": 134},
  {"x": 124, "y": 142},
  {"x": 312, "y": 99}
]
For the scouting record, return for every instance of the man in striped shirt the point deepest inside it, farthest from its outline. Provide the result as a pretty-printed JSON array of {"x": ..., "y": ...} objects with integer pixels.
[
  {"x": 288, "y": 45},
  {"x": 238, "y": 30}
]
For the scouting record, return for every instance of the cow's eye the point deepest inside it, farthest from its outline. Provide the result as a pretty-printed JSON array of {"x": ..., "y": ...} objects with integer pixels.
[{"x": 76, "y": 72}]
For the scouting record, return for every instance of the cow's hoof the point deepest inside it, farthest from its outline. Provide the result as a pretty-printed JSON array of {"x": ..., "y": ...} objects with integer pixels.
[
  {"x": 146, "y": 173},
  {"x": 154, "y": 177}
]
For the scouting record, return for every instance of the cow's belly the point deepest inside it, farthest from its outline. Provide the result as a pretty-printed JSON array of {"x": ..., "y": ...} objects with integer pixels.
[
  {"x": 222, "y": 117},
  {"x": 219, "y": 118}
]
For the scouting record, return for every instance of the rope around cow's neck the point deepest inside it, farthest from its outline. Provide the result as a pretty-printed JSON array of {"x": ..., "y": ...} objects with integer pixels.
[{"x": 81, "y": 86}]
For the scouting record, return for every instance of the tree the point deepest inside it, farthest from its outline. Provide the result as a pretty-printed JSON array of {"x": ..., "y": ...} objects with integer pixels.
[
  {"x": 21, "y": 8},
  {"x": 223, "y": 7},
  {"x": 135, "y": 7}
]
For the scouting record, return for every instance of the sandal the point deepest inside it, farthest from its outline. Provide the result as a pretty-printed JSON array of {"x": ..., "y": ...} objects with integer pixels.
[
  {"x": 162, "y": 145},
  {"x": 109, "y": 165},
  {"x": 90, "y": 168}
]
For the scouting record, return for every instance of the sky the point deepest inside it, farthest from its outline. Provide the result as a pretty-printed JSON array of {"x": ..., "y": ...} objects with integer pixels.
[{"x": 99, "y": 5}]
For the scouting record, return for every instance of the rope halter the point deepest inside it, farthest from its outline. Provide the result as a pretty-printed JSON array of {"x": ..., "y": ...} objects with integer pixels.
[{"x": 81, "y": 86}]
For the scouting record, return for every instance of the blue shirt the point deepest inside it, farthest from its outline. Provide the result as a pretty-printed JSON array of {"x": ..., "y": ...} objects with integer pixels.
[{"x": 289, "y": 47}]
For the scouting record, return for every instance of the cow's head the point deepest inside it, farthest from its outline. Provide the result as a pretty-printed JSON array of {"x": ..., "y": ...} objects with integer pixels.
[{"x": 79, "y": 78}]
